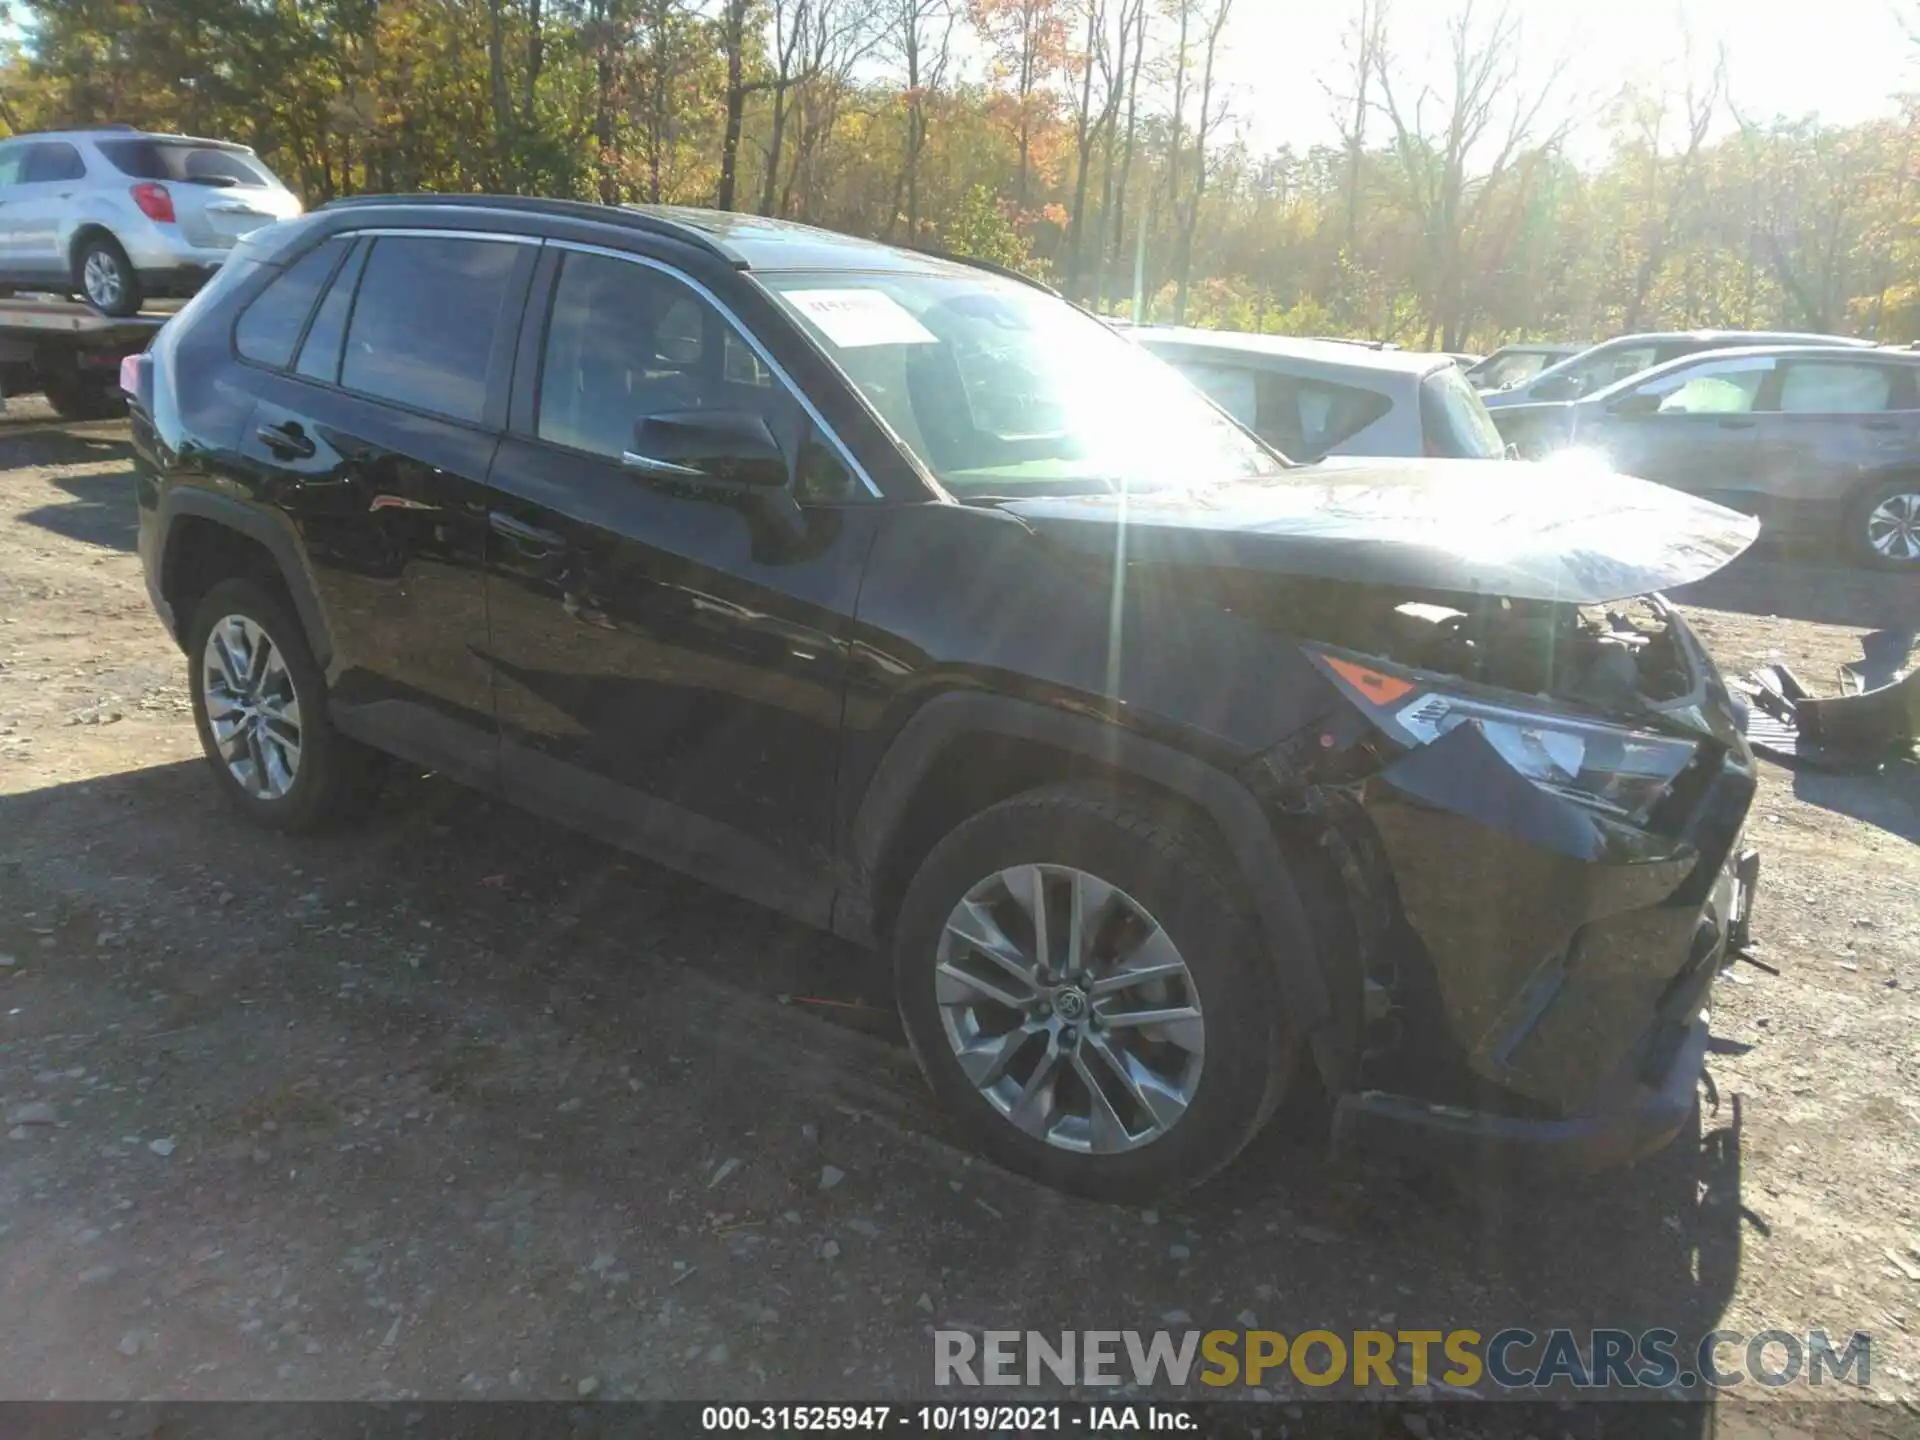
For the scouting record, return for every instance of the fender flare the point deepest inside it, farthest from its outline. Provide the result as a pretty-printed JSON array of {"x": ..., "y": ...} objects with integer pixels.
[
  {"x": 1242, "y": 824},
  {"x": 272, "y": 531}
]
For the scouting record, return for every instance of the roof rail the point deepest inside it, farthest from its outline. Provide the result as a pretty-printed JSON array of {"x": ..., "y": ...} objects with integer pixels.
[
  {"x": 1005, "y": 272},
  {"x": 615, "y": 215}
]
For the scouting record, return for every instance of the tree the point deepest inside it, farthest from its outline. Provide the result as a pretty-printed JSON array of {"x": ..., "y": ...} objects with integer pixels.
[
  {"x": 921, "y": 37},
  {"x": 1436, "y": 135},
  {"x": 1028, "y": 40}
]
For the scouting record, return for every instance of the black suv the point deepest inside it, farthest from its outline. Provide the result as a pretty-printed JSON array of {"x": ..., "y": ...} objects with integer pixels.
[{"x": 900, "y": 595}]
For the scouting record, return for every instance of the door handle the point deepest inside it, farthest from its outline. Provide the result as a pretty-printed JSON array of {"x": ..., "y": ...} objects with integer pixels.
[
  {"x": 1732, "y": 424},
  {"x": 528, "y": 537},
  {"x": 286, "y": 438},
  {"x": 1882, "y": 425}
]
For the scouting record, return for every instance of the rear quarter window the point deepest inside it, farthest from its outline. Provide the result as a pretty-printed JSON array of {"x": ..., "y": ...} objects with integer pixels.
[
  {"x": 271, "y": 325},
  {"x": 1305, "y": 418},
  {"x": 183, "y": 164}
]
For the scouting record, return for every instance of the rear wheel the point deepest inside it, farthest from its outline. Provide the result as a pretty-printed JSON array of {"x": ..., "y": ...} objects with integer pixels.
[
  {"x": 260, "y": 705},
  {"x": 107, "y": 278},
  {"x": 1883, "y": 525},
  {"x": 1087, "y": 997}
]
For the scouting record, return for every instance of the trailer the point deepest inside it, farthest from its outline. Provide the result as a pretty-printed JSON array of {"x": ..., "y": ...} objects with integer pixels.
[{"x": 70, "y": 352}]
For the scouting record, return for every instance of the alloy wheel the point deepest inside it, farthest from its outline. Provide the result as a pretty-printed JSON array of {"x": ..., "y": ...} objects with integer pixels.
[
  {"x": 1893, "y": 526},
  {"x": 252, "y": 707},
  {"x": 1070, "y": 1009},
  {"x": 101, "y": 277}
]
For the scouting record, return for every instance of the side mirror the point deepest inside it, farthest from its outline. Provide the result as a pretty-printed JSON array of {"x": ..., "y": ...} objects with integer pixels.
[
  {"x": 719, "y": 449},
  {"x": 1635, "y": 405}
]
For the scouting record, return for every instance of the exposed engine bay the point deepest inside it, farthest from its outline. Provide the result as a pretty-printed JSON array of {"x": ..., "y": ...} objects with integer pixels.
[{"x": 1616, "y": 658}]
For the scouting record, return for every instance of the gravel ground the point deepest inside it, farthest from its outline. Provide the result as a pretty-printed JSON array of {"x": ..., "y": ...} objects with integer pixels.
[{"x": 458, "y": 1105}]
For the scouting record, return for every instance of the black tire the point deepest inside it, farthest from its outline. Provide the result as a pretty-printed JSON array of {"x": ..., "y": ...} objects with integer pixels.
[
  {"x": 73, "y": 398},
  {"x": 128, "y": 295},
  {"x": 335, "y": 778},
  {"x": 1173, "y": 871},
  {"x": 1864, "y": 525}
]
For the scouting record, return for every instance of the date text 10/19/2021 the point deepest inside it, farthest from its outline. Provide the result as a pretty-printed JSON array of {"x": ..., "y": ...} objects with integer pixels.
[{"x": 949, "y": 1419}]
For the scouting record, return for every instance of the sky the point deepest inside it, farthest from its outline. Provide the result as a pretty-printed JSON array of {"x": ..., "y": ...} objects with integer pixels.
[{"x": 1842, "y": 59}]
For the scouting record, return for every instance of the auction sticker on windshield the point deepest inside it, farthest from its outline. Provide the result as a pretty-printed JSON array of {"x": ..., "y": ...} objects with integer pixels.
[{"x": 852, "y": 319}]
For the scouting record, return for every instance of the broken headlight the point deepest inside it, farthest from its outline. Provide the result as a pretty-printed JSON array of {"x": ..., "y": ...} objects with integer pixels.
[
  {"x": 1613, "y": 768},
  {"x": 1610, "y": 767}
]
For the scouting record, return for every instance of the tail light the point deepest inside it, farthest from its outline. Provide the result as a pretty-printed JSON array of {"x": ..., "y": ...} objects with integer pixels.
[
  {"x": 136, "y": 378},
  {"x": 154, "y": 202}
]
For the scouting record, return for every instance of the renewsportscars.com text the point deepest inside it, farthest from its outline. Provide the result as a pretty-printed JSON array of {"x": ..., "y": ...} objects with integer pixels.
[{"x": 1511, "y": 1358}]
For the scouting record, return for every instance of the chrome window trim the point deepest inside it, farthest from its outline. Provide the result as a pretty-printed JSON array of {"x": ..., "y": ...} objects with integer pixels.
[
  {"x": 753, "y": 342},
  {"x": 420, "y": 233}
]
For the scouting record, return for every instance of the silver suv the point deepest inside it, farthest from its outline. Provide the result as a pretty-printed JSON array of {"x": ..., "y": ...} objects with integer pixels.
[
  {"x": 1314, "y": 398},
  {"x": 117, "y": 214}
]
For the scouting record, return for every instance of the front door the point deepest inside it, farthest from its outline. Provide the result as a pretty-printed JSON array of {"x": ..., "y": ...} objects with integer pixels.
[
  {"x": 50, "y": 172},
  {"x": 1692, "y": 428},
  {"x": 675, "y": 554},
  {"x": 374, "y": 434}
]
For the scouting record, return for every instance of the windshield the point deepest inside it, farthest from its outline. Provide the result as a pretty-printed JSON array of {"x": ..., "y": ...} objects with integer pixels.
[
  {"x": 1000, "y": 389},
  {"x": 1499, "y": 371},
  {"x": 1455, "y": 420}
]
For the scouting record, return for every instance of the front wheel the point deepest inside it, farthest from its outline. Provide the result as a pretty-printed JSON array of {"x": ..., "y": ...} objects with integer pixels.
[
  {"x": 1088, "y": 998},
  {"x": 260, "y": 705},
  {"x": 1883, "y": 525}
]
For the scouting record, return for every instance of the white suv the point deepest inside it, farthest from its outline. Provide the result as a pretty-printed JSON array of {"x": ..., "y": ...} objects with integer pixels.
[{"x": 117, "y": 214}]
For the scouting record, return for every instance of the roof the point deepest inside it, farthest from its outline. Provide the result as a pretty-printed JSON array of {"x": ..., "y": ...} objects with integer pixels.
[
  {"x": 1756, "y": 337},
  {"x": 749, "y": 242},
  {"x": 1853, "y": 354},
  {"x": 125, "y": 132},
  {"x": 1332, "y": 354}
]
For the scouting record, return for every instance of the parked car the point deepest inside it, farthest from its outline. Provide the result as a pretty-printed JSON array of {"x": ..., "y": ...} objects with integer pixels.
[
  {"x": 1309, "y": 398},
  {"x": 117, "y": 215},
  {"x": 1514, "y": 364},
  {"x": 912, "y": 601},
  {"x": 1615, "y": 360},
  {"x": 1820, "y": 442}
]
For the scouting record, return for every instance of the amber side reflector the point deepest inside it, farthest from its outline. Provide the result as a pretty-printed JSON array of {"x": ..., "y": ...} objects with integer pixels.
[{"x": 1380, "y": 689}]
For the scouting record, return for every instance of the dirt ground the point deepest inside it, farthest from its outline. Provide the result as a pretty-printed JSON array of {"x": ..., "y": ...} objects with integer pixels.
[{"x": 458, "y": 1105}]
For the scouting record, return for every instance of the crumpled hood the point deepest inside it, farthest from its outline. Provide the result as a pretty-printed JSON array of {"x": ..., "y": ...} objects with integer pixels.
[{"x": 1552, "y": 530}]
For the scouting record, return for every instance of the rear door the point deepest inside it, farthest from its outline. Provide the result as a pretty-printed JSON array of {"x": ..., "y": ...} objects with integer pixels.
[
  {"x": 378, "y": 414},
  {"x": 1693, "y": 428},
  {"x": 1836, "y": 424},
  {"x": 670, "y": 658}
]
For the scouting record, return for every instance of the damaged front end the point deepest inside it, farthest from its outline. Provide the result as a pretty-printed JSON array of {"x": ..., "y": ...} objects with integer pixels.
[{"x": 1535, "y": 811}]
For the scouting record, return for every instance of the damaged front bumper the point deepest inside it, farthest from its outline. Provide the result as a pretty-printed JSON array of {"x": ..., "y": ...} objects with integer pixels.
[{"x": 1535, "y": 971}]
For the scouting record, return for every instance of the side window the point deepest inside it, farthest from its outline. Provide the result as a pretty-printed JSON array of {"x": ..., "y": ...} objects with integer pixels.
[
  {"x": 425, "y": 320},
  {"x": 1715, "y": 387},
  {"x": 320, "y": 351},
  {"x": 10, "y": 158},
  {"x": 53, "y": 160},
  {"x": 625, "y": 341},
  {"x": 1834, "y": 387},
  {"x": 1310, "y": 417},
  {"x": 1230, "y": 387},
  {"x": 1605, "y": 370},
  {"x": 270, "y": 326}
]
